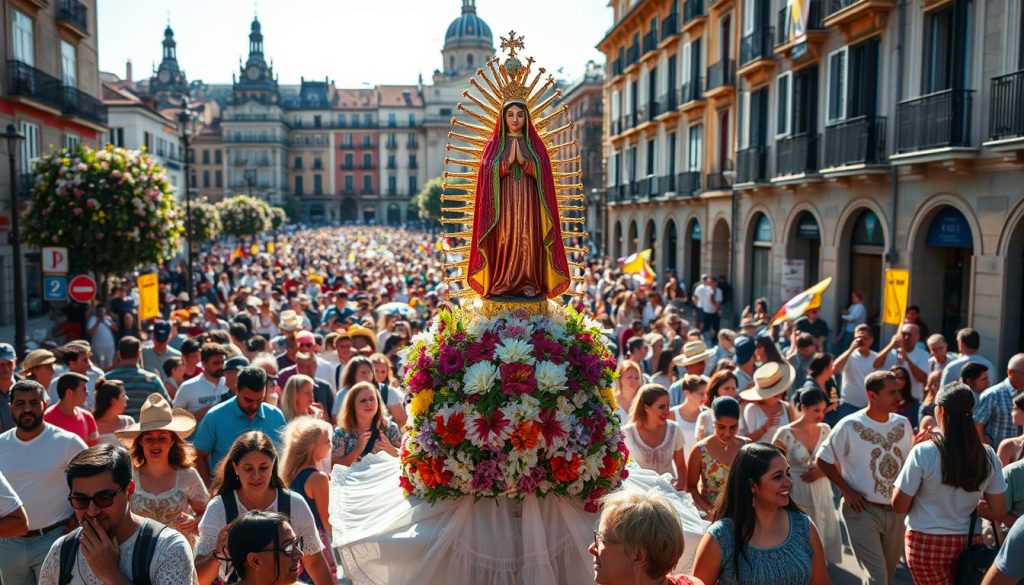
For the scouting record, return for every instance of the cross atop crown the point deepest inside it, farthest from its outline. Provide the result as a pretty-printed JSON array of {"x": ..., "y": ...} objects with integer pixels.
[{"x": 512, "y": 43}]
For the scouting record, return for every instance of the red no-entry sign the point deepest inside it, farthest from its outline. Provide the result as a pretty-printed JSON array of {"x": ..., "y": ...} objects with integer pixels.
[{"x": 82, "y": 288}]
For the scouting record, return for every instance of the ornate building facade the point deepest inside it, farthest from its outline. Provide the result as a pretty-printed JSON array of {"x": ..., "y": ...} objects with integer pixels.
[{"x": 857, "y": 137}]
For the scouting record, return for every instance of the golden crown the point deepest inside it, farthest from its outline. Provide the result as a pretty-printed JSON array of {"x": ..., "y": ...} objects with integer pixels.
[{"x": 512, "y": 74}]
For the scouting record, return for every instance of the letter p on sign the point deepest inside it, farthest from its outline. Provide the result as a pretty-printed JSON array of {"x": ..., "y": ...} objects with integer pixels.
[{"x": 55, "y": 260}]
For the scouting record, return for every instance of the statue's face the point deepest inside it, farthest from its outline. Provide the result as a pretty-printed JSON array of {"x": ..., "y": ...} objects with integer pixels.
[{"x": 515, "y": 119}]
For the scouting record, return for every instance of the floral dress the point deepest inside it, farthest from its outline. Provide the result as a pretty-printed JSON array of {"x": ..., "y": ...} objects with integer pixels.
[
  {"x": 344, "y": 442},
  {"x": 713, "y": 473},
  {"x": 165, "y": 506},
  {"x": 815, "y": 498}
]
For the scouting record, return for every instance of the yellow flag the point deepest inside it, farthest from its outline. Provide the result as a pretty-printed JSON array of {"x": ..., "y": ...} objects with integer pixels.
[{"x": 149, "y": 296}]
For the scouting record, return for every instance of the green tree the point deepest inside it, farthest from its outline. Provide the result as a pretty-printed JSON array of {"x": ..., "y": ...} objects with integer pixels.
[
  {"x": 278, "y": 217},
  {"x": 429, "y": 199},
  {"x": 114, "y": 209},
  {"x": 243, "y": 216}
]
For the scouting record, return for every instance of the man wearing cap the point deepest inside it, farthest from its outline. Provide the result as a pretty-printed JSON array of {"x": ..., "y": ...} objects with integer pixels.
[
  {"x": 8, "y": 362},
  {"x": 744, "y": 362},
  {"x": 692, "y": 359},
  {"x": 246, "y": 412},
  {"x": 32, "y": 458},
  {"x": 38, "y": 366},
  {"x": 199, "y": 394},
  {"x": 231, "y": 367},
  {"x": 156, "y": 353},
  {"x": 138, "y": 383},
  {"x": 862, "y": 456}
]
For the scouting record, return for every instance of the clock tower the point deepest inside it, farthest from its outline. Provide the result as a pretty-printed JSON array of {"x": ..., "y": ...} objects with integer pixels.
[
  {"x": 169, "y": 84},
  {"x": 256, "y": 80}
]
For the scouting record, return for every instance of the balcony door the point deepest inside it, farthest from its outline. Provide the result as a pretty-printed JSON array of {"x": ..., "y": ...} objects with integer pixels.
[
  {"x": 725, "y": 37},
  {"x": 863, "y": 76},
  {"x": 23, "y": 40},
  {"x": 805, "y": 101},
  {"x": 723, "y": 140}
]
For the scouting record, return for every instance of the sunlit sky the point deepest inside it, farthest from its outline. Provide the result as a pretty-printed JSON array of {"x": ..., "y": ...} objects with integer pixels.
[{"x": 352, "y": 42}]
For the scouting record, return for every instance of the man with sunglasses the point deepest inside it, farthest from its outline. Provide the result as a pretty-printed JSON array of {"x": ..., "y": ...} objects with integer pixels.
[
  {"x": 32, "y": 458},
  {"x": 113, "y": 545}
]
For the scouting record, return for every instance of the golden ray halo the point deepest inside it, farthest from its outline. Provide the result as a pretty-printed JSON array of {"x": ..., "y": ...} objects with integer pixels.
[{"x": 509, "y": 81}]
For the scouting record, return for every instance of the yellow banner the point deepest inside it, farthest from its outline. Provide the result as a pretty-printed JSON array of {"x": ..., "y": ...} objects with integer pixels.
[
  {"x": 897, "y": 286},
  {"x": 254, "y": 249},
  {"x": 270, "y": 247},
  {"x": 149, "y": 297}
]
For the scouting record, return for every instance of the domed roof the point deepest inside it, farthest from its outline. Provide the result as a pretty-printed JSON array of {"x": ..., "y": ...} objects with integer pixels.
[{"x": 468, "y": 27}]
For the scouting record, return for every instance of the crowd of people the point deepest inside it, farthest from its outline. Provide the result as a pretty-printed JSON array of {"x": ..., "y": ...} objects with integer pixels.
[{"x": 197, "y": 447}]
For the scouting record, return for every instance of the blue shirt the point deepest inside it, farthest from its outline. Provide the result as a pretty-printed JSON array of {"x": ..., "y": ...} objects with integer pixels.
[
  {"x": 951, "y": 373},
  {"x": 1008, "y": 561},
  {"x": 226, "y": 421},
  {"x": 994, "y": 411}
]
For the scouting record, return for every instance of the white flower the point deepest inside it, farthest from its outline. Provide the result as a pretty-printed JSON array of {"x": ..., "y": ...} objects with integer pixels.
[
  {"x": 551, "y": 377},
  {"x": 514, "y": 350},
  {"x": 555, "y": 329},
  {"x": 477, "y": 326},
  {"x": 479, "y": 378}
]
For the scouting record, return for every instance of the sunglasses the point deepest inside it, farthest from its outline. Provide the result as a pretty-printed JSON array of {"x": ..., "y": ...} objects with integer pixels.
[
  {"x": 291, "y": 549},
  {"x": 103, "y": 499}
]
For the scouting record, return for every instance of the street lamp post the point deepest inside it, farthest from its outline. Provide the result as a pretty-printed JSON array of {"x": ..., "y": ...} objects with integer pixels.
[
  {"x": 13, "y": 139},
  {"x": 186, "y": 118}
]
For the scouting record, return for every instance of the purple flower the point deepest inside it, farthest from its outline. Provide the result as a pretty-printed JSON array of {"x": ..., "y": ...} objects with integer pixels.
[{"x": 449, "y": 360}]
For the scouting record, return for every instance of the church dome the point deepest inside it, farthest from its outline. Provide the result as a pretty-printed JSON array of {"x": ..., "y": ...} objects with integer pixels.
[{"x": 468, "y": 28}]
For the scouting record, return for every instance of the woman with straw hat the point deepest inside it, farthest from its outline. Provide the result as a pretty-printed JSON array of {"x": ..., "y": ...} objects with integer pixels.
[
  {"x": 765, "y": 411},
  {"x": 168, "y": 488}
]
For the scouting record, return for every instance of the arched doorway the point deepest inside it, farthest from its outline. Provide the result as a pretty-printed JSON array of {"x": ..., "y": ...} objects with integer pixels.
[
  {"x": 941, "y": 270},
  {"x": 1013, "y": 313},
  {"x": 349, "y": 210},
  {"x": 651, "y": 241},
  {"x": 720, "y": 239},
  {"x": 864, "y": 245},
  {"x": 693, "y": 240},
  {"x": 394, "y": 214},
  {"x": 759, "y": 250},
  {"x": 617, "y": 251},
  {"x": 632, "y": 241},
  {"x": 803, "y": 252},
  {"x": 412, "y": 214},
  {"x": 671, "y": 248}
]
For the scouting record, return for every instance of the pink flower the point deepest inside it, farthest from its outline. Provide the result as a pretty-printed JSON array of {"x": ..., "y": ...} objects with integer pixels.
[
  {"x": 449, "y": 360},
  {"x": 78, "y": 211},
  {"x": 517, "y": 379},
  {"x": 421, "y": 380}
]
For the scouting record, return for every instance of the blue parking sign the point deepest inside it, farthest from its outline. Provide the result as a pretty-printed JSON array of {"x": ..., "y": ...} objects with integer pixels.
[{"x": 55, "y": 288}]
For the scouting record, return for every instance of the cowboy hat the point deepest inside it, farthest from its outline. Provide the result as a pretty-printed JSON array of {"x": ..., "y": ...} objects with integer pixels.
[
  {"x": 360, "y": 331},
  {"x": 693, "y": 352},
  {"x": 36, "y": 358},
  {"x": 289, "y": 320},
  {"x": 770, "y": 379},
  {"x": 156, "y": 415}
]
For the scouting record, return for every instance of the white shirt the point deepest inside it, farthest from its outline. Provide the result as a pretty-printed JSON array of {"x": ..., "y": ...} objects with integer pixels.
[
  {"x": 103, "y": 336},
  {"x": 198, "y": 393},
  {"x": 920, "y": 359},
  {"x": 704, "y": 293},
  {"x": 854, "y": 316},
  {"x": 953, "y": 369},
  {"x": 172, "y": 562},
  {"x": 657, "y": 458},
  {"x": 9, "y": 500},
  {"x": 939, "y": 508},
  {"x": 869, "y": 454},
  {"x": 325, "y": 371},
  {"x": 35, "y": 470},
  {"x": 857, "y": 367}
]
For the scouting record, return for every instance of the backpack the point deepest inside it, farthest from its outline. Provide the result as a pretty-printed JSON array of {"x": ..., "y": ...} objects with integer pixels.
[
  {"x": 284, "y": 505},
  {"x": 142, "y": 553}
]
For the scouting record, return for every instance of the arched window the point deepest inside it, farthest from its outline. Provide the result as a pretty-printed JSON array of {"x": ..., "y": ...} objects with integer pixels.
[{"x": 469, "y": 60}]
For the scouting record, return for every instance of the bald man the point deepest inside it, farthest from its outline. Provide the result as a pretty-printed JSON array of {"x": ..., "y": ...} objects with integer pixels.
[{"x": 992, "y": 414}]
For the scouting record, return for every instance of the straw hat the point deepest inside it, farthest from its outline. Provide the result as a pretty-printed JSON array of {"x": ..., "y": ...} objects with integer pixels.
[
  {"x": 694, "y": 352},
  {"x": 289, "y": 320},
  {"x": 36, "y": 358},
  {"x": 156, "y": 415},
  {"x": 360, "y": 331},
  {"x": 770, "y": 379}
]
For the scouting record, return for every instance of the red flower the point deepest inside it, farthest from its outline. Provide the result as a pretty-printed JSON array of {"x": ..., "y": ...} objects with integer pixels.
[
  {"x": 517, "y": 379},
  {"x": 609, "y": 466},
  {"x": 434, "y": 474},
  {"x": 406, "y": 485},
  {"x": 550, "y": 427},
  {"x": 454, "y": 432},
  {"x": 482, "y": 350},
  {"x": 565, "y": 470}
]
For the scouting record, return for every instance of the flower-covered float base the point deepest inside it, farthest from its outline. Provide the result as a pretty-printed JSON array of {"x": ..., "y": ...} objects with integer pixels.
[{"x": 511, "y": 405}]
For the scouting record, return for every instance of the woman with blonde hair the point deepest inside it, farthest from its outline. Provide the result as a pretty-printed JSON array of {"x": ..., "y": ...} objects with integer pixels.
[
  {"x": 628, "y": 379},
  {"x": 362, "y": 426},
  {"x": 307, "y": 441},
  {"x": 654, "y": 441},
  {"x": 298, "y": 399}
]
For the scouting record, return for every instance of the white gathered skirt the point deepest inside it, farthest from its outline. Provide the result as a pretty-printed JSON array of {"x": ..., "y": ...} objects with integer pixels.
[{"x": 386, "y": 538}]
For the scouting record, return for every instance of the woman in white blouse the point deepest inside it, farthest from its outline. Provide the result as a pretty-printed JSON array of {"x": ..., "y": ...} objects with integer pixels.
[{"x": 654, "y": 441}]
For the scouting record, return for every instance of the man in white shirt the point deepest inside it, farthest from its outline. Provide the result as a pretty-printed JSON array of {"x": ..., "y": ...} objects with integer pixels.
[
  {"x": 862, "y": 457},
  {"x": 33, "y": 456},
  {"x": 13, "y": 519},
  {"x": 909, "y": 355},
  {"x": 855, "y": 364},
  {"x": 969, "y": 342},
  {"x": 101, "y": 486},
  {"x": 709, "y": 302},
  {"x": 204, "y": 391},
  {"x": 940, "y": 354}
]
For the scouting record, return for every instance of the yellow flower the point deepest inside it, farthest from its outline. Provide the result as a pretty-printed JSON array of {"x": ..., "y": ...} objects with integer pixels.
[
  {"x": 609, "y": 397},
  {"x": 421, "y": 402}
]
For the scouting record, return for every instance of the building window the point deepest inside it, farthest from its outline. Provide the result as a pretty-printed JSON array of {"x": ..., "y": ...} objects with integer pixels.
[
  {"x": 298, "y": 162},
  {"x": 412, "y": 120},
  {"x": 392, "y": 184},
  {"x": 116, "y": 137},
  {"x": 349, "y": 183},
  {"x": 24, "y": 46},
  {"x": 412, "y": 161},
  {"x": 218, "y": 178},
  {"x": 206, "y": 157},
  {"x": 367, "y": 141},
  {"x": 318, "y": 185},
  {"x": 317, "y": 122},
  {"x": 392, "y": 122},
  {"x": 782, "y": 96},
  {"x": 938, "y": 50},
  {"x": 469, "y": 60},
  {"x": 367, "y": 160},
  {"x": 298, "y": 185},
  {"x": 147, "y": 141},
  {"x": 68, "y": 64},
  {"x": 837, "y": 85},
  {"x": 651, "y": 145},
  {"x": 413, "y": 186},
  {"x": 445, "y": 111},
  {"x": 693, "y": 149},
  {"x": 368, "y": 183},
  {"x": 206, "y": 179},
  {"x": 30, "y": 146},
  {"x": 71, "y": 141},
  {"x": 349, "y": 161},
  {"x": 862, "y": 79},
  {"x": 368, "y": 120},
  {"x": 391, "y": 162},
  {"x": 216, "y": 157}
]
